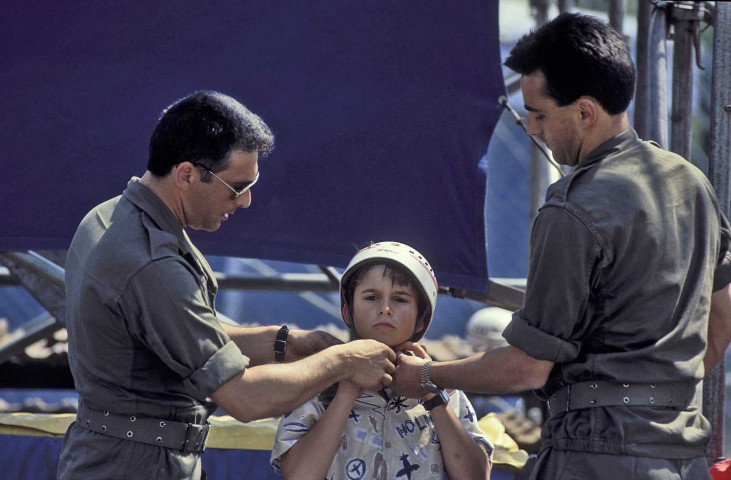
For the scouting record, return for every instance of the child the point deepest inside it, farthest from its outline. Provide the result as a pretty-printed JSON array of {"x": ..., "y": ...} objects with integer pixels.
[{"x": 387, "y": 293}]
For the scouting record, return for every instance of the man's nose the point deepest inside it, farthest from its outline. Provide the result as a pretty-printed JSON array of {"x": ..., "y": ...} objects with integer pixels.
[
  {"x": 244, "y": 200},
  {"x": 531, "y": 127}
]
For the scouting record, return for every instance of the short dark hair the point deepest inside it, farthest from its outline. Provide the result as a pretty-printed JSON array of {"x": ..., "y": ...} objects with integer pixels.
[
  {"x": 579, "y": 55},
  {"x": 203, "y": 128}
]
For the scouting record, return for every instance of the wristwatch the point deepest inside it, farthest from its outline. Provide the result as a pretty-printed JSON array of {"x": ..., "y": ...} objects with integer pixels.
[
  {"x": 426, "y": 382},
  {"x": 280, "y": 344},
  {"x": 441, "y": 398}
]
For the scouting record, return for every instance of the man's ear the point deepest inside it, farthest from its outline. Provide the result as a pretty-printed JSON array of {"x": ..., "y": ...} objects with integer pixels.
[
  {"x": 346, "y": 315},
  {"x": 183, "y": 175},
  {"x": 589, "y": 111}
]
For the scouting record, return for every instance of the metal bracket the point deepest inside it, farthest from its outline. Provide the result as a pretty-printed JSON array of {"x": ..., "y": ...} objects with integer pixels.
[
  {"x": 498, "y": 295},
  {"x": 693, "y": 13}
]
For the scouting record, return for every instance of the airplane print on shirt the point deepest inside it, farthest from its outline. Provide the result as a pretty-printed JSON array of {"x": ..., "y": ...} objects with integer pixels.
[
  {"x": 408, "y": 467},
  {"x": 385, "y": 438}
]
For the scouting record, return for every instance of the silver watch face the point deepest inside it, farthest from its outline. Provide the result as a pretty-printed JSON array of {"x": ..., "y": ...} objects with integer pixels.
[
  {"x": 431, "y": 388},
  {"x": 444, "y": 395},
  {"x": 442, "y": 398}
]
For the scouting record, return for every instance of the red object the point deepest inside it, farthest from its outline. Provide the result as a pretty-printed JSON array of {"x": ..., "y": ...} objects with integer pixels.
[{"x": 721, "y": 470}]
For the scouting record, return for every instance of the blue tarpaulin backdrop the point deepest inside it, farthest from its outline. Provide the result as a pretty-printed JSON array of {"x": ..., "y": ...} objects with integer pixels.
[{"x": 382, "y": 111}]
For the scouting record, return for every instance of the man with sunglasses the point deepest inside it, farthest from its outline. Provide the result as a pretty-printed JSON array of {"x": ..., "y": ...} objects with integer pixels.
[{"x": 150, "y": 359}]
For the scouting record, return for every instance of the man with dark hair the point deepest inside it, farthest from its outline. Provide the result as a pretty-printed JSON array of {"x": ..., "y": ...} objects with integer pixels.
[
  {"x": 628, "y": 300},
  {"x": 150, "y": 359}
]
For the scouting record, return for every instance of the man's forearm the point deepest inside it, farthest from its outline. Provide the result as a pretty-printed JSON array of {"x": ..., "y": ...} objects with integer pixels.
[
  {"x": 719, "y": 327},
  {"x": 257, "y": 343},
  {"x": 503, "y": 370},
  {"x": 275, "y": 389}
]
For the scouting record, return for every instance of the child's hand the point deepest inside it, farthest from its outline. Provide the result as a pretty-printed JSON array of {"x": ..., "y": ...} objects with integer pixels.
[
  {"x": 349, "y": 390},
  {"x": 416, "y": 349}
]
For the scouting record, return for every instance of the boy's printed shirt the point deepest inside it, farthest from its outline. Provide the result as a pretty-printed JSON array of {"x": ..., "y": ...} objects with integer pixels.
[{"x": 387, "y": 436}]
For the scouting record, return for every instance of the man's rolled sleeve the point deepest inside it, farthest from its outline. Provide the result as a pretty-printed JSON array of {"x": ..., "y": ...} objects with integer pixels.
[
  {"x": 224, "y": 365},
  {"x": 539, "y": 344},
  {"x": 557, "y": 309},
  {"x": 167, "y": 310}
]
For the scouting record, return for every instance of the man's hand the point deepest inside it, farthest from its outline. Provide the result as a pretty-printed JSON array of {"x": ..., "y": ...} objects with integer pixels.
[
  {"x": 303, "y": 343},
  {"x": 371, "y": 363},
  {"x": 407, "y": 377}
]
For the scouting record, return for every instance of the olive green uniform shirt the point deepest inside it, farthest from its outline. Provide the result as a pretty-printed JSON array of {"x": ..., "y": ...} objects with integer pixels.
[
  {"x": 144, "y": 339},
  {"x": 625, "y": 253}
]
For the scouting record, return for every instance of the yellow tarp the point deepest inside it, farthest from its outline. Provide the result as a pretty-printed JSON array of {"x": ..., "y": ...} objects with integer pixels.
[{"x": 226, "y": 432}]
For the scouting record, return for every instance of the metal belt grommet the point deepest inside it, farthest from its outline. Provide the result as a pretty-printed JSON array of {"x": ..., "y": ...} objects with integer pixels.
[
  {"x": 603, "y": 393},
  {"x": 189, "y": 437}
]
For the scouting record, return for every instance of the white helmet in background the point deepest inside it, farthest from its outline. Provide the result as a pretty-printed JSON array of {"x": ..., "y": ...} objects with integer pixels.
[
  {"x": 485, "y": 328},
  {"x": 406, "y": 257}
]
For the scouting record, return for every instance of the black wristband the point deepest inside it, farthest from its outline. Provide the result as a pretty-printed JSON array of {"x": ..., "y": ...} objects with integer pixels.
[
  {"x": 441, "y": 398},
  {"x": 280, "y": 344}
]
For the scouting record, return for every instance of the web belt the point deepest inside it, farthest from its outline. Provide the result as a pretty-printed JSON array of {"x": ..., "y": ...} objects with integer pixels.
[
  {"x": 188, "y": 437},
  {"x": 601, "y": 393}
]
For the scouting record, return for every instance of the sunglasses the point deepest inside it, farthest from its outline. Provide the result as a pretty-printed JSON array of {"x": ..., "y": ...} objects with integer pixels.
[{"x": 242, "y": 190}]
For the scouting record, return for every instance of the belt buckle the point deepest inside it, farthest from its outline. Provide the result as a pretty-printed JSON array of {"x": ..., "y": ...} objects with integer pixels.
[{"x": 196, "y": 432}]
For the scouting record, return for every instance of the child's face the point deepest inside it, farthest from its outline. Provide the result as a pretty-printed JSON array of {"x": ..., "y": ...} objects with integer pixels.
[{"x": 384, "y": 310}]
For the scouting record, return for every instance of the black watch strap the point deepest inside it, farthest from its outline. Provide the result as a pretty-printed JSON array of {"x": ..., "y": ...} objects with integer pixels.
[
  {"x": 441, "y": 398},
  {"x": 280, "y": 344}
]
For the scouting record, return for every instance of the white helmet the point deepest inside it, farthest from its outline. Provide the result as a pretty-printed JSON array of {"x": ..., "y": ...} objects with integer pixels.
[
  {"x": 405, "y": 256},
  {"x": 485, "y": 328}
]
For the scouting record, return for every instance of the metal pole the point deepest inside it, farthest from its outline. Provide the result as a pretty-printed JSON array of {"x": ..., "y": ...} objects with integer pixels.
[
  {"x": 682, "y": 108},
  {"x": 658, "y": 73},
  {"x": 41, "y": 277},
  {"x": 642, "y": 103},
  {"x": 719, "y": 173},
  {"x": 565, "y": 5},
  {"x": 616, "y": 15},
  {"x": 37, "y": 265},
  {"x": 539, "y": 11}
]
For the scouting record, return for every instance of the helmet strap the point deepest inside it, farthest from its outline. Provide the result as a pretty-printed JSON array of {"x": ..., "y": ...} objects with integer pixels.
[{"x": 349, "y": 320}]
